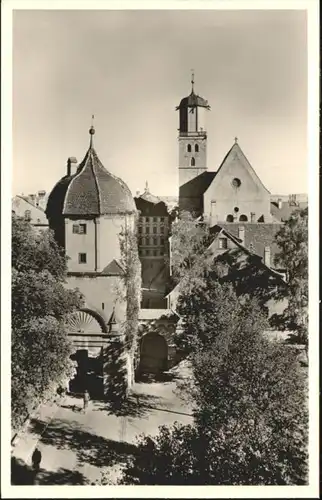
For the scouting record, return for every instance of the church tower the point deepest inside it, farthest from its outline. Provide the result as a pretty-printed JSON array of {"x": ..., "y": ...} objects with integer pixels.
[{"x": 192, "y": 136}]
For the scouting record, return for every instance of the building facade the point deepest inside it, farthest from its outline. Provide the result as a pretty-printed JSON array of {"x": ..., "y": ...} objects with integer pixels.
[
  {"x": 90, "y": 211},
  {"x": 154, "y": 225},
  {"x": 32, "y": 209}
]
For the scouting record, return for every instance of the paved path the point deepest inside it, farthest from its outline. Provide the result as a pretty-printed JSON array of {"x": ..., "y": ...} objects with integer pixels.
[{"x": 77, "y": 447}]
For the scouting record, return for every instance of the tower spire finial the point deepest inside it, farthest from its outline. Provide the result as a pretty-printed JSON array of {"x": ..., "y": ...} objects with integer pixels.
[
  {"x": 146, "y": 187},
  {"x": 192, "y": 80},
  {"x": 92, "y": 131}
]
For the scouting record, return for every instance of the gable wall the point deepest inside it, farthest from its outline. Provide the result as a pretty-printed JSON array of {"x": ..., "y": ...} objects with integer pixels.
[{"x": 251, "y": 196}]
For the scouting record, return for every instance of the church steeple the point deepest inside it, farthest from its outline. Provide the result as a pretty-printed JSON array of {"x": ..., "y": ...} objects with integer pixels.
[{"x": 192, "y": 135}]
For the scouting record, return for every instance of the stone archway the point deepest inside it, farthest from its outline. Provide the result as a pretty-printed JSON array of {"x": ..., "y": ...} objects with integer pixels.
[
  {"x": 85, "y": 329},
  {"x": 153, "y": 353}
]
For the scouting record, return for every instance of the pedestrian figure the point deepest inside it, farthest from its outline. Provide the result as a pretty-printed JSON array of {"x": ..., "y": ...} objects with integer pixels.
[
  {"x": 86, "y": 399},
  {"x": 36, "y": 459}
]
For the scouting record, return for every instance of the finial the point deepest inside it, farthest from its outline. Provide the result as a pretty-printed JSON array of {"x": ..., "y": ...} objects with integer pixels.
[
  {"x": 192, "y": 80},
  {"x": 146, "y": 187},
  {"x": 236, "y": 140},
  {"x": 92, "y": 131}
]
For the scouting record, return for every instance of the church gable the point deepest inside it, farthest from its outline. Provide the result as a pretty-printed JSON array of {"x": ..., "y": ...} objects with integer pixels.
[{"x": 236, "y": 192}]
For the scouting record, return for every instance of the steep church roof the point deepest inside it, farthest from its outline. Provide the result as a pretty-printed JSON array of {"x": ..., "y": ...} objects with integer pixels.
[
  {"x": 197, "y": 186},
  {"x": 92, "y": 190},
  {"x": 236, "y": 153}
]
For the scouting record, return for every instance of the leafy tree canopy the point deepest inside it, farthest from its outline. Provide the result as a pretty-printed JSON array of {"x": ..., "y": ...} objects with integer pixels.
[
  {"x": 250, "y": 411},
  {"x": 40, "y": 303},
  {"x": 292, "y": 240}
]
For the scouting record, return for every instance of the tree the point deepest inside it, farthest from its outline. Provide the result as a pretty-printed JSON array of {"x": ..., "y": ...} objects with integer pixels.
[
  {"x": 292, "y": 241},
  {"x": 250, "y": 410},
  {"x": 40, "y": 302},
  {"x": 189, "y": 240},
  {"x": 131, "y": 291}
]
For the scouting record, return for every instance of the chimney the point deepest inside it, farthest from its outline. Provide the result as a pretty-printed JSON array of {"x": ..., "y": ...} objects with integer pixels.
[
  {"x": 279, "y": 203},
  {"x": 241, "y": 234},
  {"x": 70, "y": 160},
  {"x": 267, "y": 256}
]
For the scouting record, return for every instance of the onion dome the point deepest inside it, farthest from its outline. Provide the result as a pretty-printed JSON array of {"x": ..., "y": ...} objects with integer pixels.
[
  {"x": 92, "y": 190},
  {"x": 193, "y": 100}
]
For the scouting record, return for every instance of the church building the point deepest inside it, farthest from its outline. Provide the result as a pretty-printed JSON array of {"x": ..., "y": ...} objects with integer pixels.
[{"x": 233, "y": 195}]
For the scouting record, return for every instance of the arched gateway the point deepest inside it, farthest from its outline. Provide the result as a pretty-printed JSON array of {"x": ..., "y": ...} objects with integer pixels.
[
  {"x": 154, "y": 353},
  {"x": 87, "y": 331}
]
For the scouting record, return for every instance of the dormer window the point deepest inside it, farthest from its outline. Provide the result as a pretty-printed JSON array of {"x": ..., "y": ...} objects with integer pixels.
[
  {"x": 28, "y": 215},
  {"x": 223, "y": 243}
]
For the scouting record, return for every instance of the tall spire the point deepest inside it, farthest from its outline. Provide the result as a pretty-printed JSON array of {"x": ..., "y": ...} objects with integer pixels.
[
  {"x": 192, "y": 81},
  {"x": 92, "y": 132}
]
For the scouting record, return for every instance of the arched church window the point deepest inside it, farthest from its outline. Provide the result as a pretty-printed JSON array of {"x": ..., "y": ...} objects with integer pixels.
[
  {"x": 197, "y": 148},
  {"x": 230, "y": 218},
  {"x": 193, "y": 162},
  {"x": 189, "y": 148},
  {"x": 243, "y": 218}
]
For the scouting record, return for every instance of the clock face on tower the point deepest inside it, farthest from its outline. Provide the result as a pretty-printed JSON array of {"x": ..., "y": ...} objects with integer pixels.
[{"x": 236, "y": 183}]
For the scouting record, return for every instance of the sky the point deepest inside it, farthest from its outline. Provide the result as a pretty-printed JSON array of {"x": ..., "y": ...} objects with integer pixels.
[{"x": 131, "y": 68}]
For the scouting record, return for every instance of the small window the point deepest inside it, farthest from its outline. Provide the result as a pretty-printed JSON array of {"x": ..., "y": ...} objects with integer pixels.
[
  {"x": 230, "y": 218},
  {"x": 28, "y": 215},
  {"x": 197, "y": 148},
  {"x": 161, "y": 219},
  {"x": 161, "y": 251},
  {"x": 154, "y": 230},
  {"x": 155, "y": 219},
  {"x": 147, "y": 252},
  {"x": 75, "y": 228},
  {"x": 189, "y": 148},
  {"x": 155, "y": 253},
  {"x": 140, "y": 241},
  {"x": 155, "y": 241},
  {"x": 243, "y": 218},
  {"x": 161, "y": 241},
  {"x": 162, "y": 230},
  {"x": 140, "y": 229},
  {"x": 82, "y": 229},
  {"x": 223, "y": 243},
  {"x": 82, "y": 258},
  {"x": 147, "y": 230},
  {"x": 103, "y": 306},
  {"x": 193, "y": 162},
  {"x": 147, "y": 219}
]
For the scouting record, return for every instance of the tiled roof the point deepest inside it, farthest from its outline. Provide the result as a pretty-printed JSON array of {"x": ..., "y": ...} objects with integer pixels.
[
  {"x": 197, "y": 186},
  {"x": 283, "y": 213},
  {"x": 147, "y": 196},
  {"x": 92, "y": 190},
  {"x": 257, "y": 236},
  {"x": 113, "y": 268}
]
